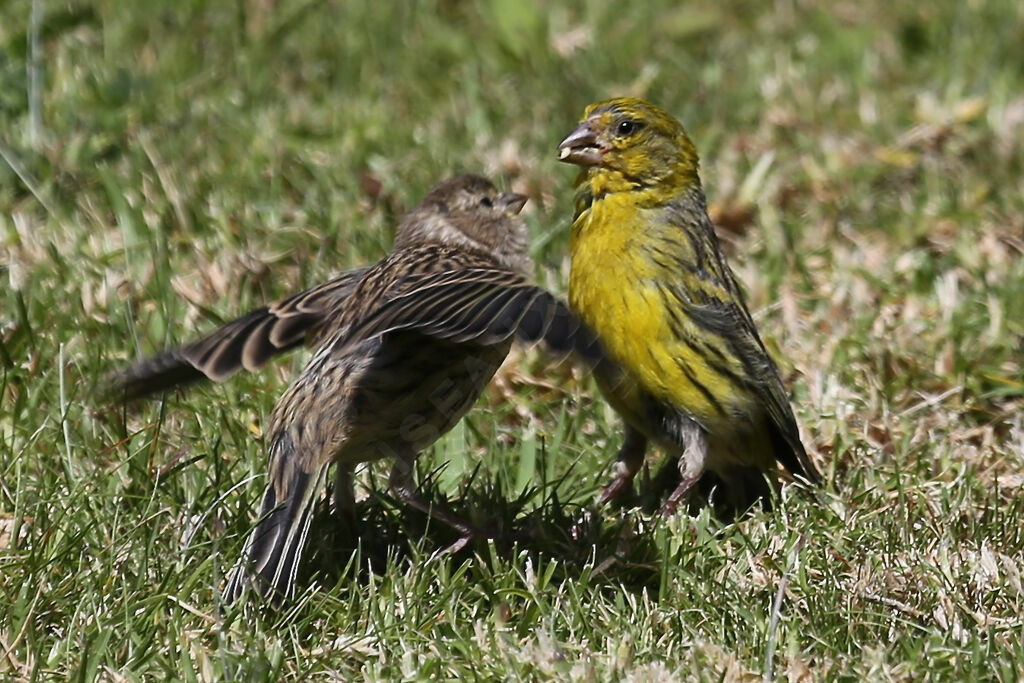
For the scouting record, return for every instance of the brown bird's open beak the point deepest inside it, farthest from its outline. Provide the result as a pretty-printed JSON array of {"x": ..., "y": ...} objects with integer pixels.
[
  {"x": 512, "y": 202},
  {"x": 580, "y": 147}
]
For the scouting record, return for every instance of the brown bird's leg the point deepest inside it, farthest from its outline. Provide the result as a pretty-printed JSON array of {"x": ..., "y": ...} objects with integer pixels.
[
  {"x": 627, "y": 464},
  {"x": 345, "y": 498},
  {"x": 402, "y": 485}
]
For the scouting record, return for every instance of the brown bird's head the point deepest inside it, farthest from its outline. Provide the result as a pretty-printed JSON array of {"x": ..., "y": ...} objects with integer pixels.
[
  {"x": 468, "y": 211},
  {"x": 626, "y": 144}
]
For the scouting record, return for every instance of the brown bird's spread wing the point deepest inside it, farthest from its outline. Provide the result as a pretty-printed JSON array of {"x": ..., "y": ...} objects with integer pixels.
[
  {"x": 481, "y": 306},
  {"x": 246, "y": 343}
]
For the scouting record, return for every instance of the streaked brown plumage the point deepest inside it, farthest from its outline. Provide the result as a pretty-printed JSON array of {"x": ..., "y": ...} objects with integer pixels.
[
  {"x": 398, "y": 365},
  {"x": 404, "y": 348}
]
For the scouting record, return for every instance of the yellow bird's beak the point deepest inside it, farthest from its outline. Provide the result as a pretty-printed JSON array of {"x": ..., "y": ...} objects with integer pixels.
[{"x": 581, "y": 147}]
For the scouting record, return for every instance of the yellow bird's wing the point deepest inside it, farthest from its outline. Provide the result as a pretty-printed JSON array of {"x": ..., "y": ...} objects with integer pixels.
[{"x": 732, "y": 324}]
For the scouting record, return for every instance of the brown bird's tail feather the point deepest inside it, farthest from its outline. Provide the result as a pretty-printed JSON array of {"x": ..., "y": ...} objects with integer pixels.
[
  {"x": 148, "y": 377},
  {"x": 270, "y": 559}
]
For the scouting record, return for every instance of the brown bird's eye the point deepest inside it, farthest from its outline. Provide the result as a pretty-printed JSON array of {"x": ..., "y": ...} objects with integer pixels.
[
  {"x": 628, "y": 127},
  {"x": 486, "y": 201}
]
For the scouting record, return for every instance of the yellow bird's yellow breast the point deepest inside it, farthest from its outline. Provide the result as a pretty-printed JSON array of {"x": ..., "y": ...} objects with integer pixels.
[{"x": 613, "y": 286}]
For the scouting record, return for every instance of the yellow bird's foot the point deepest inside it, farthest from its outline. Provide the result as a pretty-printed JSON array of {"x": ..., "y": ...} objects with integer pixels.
[{"x": 677, "y": 496}]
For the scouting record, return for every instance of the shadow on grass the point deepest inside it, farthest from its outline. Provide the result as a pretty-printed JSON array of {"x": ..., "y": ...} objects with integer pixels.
[
  {"x": 389, "y": 531},
  {"x": 618, "y": 546}
]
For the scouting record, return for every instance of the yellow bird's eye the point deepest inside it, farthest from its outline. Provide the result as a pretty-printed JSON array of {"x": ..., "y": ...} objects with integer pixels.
[{"x": 628, "y": 127}]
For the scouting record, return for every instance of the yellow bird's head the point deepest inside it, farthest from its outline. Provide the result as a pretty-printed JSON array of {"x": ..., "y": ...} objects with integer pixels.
[{"x": 626, "y": 144}]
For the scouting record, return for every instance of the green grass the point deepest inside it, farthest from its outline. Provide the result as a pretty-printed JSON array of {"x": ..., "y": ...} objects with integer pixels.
[{"x": 168, "y": 165}]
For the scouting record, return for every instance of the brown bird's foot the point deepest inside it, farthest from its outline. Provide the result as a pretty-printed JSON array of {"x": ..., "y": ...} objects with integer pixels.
[
  {"x": 456, "y": 547},
  {"x": 402, "y": 486},
  {"x": 504, "y": 541},
  {"x": 468, "y": 530}
]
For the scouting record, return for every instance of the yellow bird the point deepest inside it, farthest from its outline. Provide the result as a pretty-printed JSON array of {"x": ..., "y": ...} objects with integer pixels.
[{"x": 648, "y": 276}]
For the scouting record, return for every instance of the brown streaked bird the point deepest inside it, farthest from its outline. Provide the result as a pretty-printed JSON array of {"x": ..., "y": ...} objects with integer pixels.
[
  {"x": 649, "y": 278},
  {"x": 403, "y": 350}
]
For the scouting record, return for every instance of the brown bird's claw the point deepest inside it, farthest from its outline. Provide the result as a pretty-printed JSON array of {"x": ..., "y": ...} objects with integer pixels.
[
  {"x": 502, "y": 538},
  {"x": 456, "y": 547}
]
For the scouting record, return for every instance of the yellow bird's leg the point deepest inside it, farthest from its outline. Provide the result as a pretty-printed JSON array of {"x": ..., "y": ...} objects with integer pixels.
[
  {"x": 691, "y": 466},
  {"x": 627, "y": 464}
]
